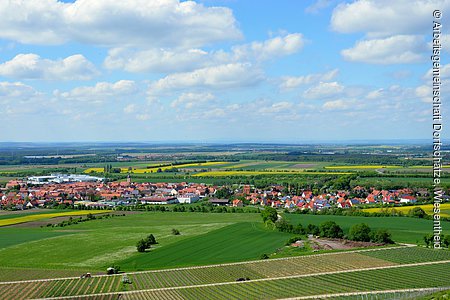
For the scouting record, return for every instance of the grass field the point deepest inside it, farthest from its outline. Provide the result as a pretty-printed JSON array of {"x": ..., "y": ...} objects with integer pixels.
[
  {"x": 270, "y": 279},
  {"x": 403, "y": 229},
  {"x": 237, "y": 242},
  {"x": 37, "y": 216},
  {"x": 428, "y": 208}
]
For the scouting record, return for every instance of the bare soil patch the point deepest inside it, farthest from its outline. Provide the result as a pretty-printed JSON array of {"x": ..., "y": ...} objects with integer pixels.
[{"x": 338, "y": 244}]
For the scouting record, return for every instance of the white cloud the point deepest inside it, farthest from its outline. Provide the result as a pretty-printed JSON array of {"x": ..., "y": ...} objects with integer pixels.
[
  {"x": 32, "y": 66},
  {"x": 190, "y": 100},
  {"x": 278, "y": 107},
  {"x": 222, "y": 76},
  {"x": 400, "y": 49},
  {"x": 324, "y": 90},
  {"x": 165, "y": 23},
  {"x": 165, "y": 60},
  {"x": 294, "y": 82},
  {"x": 318, "y": 5},
  {"x": 336, "y": 105},
  {"x": 143, "y": 117},
  {"x": 13, "y": 91},
  {"x": 271, "y": 48},
  {"x": 100, "y": 92},
  {"x": 130, "y": 108},
  {"x": 385, "y": 17},
  {"x": 156, "y": 60}
]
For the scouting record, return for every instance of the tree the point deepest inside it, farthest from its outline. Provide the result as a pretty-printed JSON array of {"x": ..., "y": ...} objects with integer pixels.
[
  {"x": 331, "y": 230},
  {"x": 428, "y": 239},
  {"x": 381, "y": 236},
  {"x": 446, "y": 241},
  {"x": 417, "y": 212},
  {"x": 359, "y": 232},
  {"x": 151, "y": 240},
  {"x": 175, "y": 231},
  {"x": 312, "y": 229},
  {"x": 142, "y": 245},
  {"x": 269, "y": 213}
]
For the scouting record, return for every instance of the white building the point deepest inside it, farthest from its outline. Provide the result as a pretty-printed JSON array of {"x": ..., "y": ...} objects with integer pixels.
[{"x": 188, "y": 198}]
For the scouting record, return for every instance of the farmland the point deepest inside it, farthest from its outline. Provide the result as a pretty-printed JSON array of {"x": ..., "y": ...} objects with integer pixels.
[
  {"x": 428, "y": 208},
  {"x": 270, "y": 279},
  {"x": 41, "y": 216}
]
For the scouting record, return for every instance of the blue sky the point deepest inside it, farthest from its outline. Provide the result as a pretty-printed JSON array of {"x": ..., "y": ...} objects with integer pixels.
[{"x": 210, "y": 70}]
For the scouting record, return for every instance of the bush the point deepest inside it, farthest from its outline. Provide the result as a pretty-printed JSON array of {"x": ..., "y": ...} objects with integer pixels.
[
  {"x": 264, "y": 256},
  {"x": 151, "y": 240},
  {"x": 175, "y": 231},
  {"x": 313, "y": 229},
  {"x": 269, "y": 213},
  {"x": 359, "y": 232},
  {"x": 381, "y": 236},
  {"x": 142, "y": 245},
  {"x": 293, "y": 240},
  {"x": 330, "y": 229},
  {"x": 417, "y": 212}
]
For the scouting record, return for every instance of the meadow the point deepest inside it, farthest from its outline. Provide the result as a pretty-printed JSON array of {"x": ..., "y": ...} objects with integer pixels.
[{"x": 403, "y": 229}]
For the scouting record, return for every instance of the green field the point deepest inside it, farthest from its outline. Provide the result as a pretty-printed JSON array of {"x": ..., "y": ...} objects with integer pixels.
[
  {"x": 403, "y": 229},
  {"x": 269, "y": 279},
  {"x": 237, "y": 242}
]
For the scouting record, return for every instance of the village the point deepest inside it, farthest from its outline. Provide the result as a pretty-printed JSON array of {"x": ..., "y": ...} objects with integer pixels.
[{"x": 93, "y": 192}]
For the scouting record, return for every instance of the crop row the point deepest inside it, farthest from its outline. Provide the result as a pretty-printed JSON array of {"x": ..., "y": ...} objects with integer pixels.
[
  {"x": 373, "y": 280},
  {"x": 409, "y": 255},
  {"x": 303, "y": 265},
  {"x": 16, "y": 274}
]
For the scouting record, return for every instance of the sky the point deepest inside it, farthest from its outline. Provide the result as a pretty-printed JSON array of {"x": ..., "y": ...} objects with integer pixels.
[{"x": 219, "y": 70}]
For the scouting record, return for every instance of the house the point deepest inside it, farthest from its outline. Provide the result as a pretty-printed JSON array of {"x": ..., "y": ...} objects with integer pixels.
[
  {"x": 237, "y": 203},
  {"x": 159, "y": 200},
  {"x": 188, "y": 198},
  {"x": 407, "y": 199}
]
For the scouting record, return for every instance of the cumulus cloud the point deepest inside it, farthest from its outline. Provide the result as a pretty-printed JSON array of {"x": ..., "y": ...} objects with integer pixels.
[
  {"x": 10, "y": 91},
  {"x": 190, "y": 100},
  {"x": 290, "y": 82},
  {"x": 271, "y": 48},
  {"x": 32, "y": 66},
  {"x": 399, "y": 49},
  {"x": 162, "y": 23},
  {"x": 336, "y": 105},
  {"x": 381, "y": 18},
  {"x": 222, "y": 76},
  {"x": 165, "y": 60},
  {"x": 324, "y": 90},
  {"x": 278, "y": 107},
  {"x": 156, "y": 60},
  {"x": 100, "y": 92}
]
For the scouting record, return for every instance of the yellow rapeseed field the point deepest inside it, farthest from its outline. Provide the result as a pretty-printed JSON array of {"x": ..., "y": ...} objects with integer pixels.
[
  {"x": 36, "y": 217},
  {"x": 154, "y": 168},
  {"x": 249, "y": 173},
  {"x": 428, "y": 208}
]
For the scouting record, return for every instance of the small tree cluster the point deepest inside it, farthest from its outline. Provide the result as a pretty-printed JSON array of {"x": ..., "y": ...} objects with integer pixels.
[
  {"x": 363, "y": 233},
  {"x": 146, "y": 243}
]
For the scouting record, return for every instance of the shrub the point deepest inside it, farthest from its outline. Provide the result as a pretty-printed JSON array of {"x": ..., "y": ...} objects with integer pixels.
[
  {"x": 331, "y": 230},
  {"x": 381, "y": 236},
  {"x": 359, "y": 232},
  {"x": 142, "y": 245},
  {"x": 175, "y": 231}
]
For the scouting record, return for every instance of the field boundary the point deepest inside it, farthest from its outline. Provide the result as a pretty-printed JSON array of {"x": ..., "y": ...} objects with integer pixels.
[
  {"x": 255, "y": 280},
  {"x": 213, "y": 266}
]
